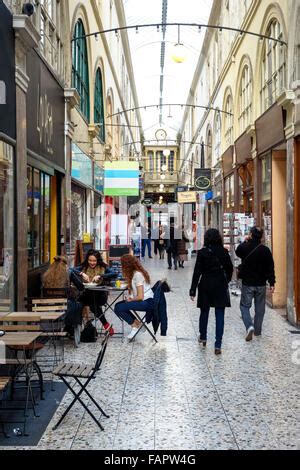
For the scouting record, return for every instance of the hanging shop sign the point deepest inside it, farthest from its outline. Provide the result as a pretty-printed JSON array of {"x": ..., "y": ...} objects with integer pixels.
[
  {"x": 121, "y": 178},
  {"x": 184, "y": 197},
  {"x": 7, "y": 74},
  {"x": 202, "y": 178},
  {"x": 45, "y": 112}
]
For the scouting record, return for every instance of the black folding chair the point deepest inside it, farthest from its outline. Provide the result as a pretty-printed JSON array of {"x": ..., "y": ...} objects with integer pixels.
[
  {"x": 142, "y": 320},
  {"x": 79, "y": 372}
]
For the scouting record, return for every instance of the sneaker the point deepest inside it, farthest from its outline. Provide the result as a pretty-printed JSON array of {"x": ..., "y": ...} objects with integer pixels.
[
  {"x": 110, "y": 328},
  {"x": 249, "y": 334},
  {"x": 218, "y": 351},
  {"x": 202, "y": 341},
  {"x": 132, "y": 333}
]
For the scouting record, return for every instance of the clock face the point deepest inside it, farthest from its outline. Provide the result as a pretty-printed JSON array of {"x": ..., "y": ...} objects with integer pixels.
[
  {"x": 160, "y": 134},
  {"x": 202, "y": 182}
]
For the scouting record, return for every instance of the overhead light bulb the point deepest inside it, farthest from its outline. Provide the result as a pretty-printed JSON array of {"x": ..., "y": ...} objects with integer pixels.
[
  {"x": 164, "y": 167},
  {"x": 161, "y": 186},
  {"x": 166, "y": 153},
  {"x": 179, "y": 53},
  {"x": 163, "y": 177}
]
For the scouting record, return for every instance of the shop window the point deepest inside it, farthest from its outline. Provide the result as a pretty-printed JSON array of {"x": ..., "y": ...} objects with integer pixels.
[
  {"x": 98, "y": 108},
  {"x": 229, "y": 193},
  {"x": 6, "y": 223},
  {"x": 80, "y": 70},
  {"x": 38, "y": 220},
  {"x": 171, "y": 162},
  {"x": 266, "y": 200},
  {"x": 150, "y": 161},
  {"x": 78, "y": 224}
]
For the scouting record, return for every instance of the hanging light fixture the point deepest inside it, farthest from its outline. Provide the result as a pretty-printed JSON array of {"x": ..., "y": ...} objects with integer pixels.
[
  {"x": 166, "y": 153},
  {"x": 164, "y": 167},
  {"x": 179, "y": 51},
  {"x": 162, "y": 176}
]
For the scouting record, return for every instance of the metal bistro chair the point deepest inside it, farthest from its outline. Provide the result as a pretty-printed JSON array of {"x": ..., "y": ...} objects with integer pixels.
[
  {"x": 82, "y": 374},
  {"x": 142, "y": 320}
]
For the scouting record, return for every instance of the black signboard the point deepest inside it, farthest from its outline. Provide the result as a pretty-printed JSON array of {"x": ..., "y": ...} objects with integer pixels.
[
  {"x": 45, "y": 112},
  {"x": 7, "y": 74},
  {"x": 202, "y": 177}
]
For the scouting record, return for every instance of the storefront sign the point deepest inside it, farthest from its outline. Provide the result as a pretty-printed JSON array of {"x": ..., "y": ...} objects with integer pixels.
[
  {"x": 7, "y": 74},
  {"x": 202, "y": 177},
  {"x": 227, "y": 160},
  {"x": 45, "y": 112},
  {"x": 243, "y": 148},
  {"x": 186, "y": 197},
  {"x": 269, "y": 129},
  {"x": 81, "y": 166}
]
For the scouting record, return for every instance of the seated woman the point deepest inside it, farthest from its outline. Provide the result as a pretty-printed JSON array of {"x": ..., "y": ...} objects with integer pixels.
[
  {"x": 58, "y": 276},
  {"x": 140, "y": 293},
  {"x": 93, "y": 269}
]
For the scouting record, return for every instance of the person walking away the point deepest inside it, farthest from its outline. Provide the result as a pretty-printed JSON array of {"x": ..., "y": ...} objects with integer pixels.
[
  {"x": 214, "y": 269},
  {"x": 146, "y": 242},
  {"x": 140, "y": 296},
  {"x": 93, "y": 269},
  {"x": 257, "y": 269},
  {"x": 181, "y": 248},
  {"x": 172, "y": 247},
  {"x": 161, "y": 242}
]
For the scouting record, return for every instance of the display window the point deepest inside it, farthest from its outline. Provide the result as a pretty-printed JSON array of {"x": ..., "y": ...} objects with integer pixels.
[
  {"x": 266, "y": 200},
  {"x": 38, "y": 220}
]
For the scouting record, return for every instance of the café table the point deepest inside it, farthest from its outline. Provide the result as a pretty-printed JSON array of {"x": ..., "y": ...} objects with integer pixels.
[
  {"x": 119, "y": 291},
  {"x": 23, "y": 340}
]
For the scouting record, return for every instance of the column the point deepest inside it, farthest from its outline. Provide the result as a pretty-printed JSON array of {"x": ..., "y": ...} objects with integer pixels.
[{"x": 26, "y": 38}]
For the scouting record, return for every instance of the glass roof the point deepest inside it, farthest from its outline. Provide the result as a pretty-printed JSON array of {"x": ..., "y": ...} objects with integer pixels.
[{"x": 158, "y": 78}]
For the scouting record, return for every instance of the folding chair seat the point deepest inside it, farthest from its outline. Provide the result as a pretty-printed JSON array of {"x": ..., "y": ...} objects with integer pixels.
[
  {"x": 142, "y": 320},
  {"x": 82, "y": 374}
]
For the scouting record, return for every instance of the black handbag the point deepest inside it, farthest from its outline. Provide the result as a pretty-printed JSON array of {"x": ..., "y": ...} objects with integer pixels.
[{"x": 89, "y": 333}]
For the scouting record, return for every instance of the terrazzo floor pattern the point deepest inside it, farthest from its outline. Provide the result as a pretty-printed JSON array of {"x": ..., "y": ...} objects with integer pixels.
[{"x": 177, "y": 395}]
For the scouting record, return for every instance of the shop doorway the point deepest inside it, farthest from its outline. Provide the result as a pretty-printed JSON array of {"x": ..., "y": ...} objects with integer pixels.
[{"x": 297, "y": 229}]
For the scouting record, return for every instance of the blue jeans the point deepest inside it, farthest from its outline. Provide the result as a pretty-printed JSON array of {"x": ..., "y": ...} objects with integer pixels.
[
  {"x": 123, "y": 309},
  {"x": 258, "y": 293},
  {"x": 146, "y": 242},
  {"x": 203, "y": 321}
]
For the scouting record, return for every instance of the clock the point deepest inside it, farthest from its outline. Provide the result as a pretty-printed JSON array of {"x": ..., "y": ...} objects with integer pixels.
[
  {"x": 202, "y": 183},
  {"x": 160, "y": 134}
]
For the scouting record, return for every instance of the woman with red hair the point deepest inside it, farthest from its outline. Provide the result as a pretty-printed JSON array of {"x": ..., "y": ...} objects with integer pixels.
[{"x": 140, "y": 296}]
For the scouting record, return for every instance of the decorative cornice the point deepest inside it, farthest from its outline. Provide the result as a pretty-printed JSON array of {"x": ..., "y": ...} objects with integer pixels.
[
  {"x": 22, "y": 80},
  {"x": 72, "y": 97},
  {"x": 69, "y": 129},
  {"x": 286, "y": 98},
  {"x": 93, "y": 130},
  {"x": 25, "y": 32}
]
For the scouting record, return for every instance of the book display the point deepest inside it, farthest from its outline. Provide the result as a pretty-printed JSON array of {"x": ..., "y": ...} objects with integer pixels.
[{"x": 236, "y": 227}]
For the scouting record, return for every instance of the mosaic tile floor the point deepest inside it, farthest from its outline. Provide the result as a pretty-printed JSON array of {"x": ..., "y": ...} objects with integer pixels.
[{"x": 176, "y": 395}]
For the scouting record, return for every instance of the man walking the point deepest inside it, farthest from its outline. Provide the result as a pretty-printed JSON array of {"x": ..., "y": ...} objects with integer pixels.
[{"x": 257, "y": 268}]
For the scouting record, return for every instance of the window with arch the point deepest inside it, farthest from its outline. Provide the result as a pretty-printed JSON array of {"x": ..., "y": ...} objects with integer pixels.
[
  {"x": 99, "y": 105},
  {"x": 217, "y": 146},
  {"x": 80, "y": 69},
  {"x": 209, "y": 149},
  {"x": 228, "y": 121},
  {"x": 245, "y": 98},
  {"x": 273, "y": 69}
]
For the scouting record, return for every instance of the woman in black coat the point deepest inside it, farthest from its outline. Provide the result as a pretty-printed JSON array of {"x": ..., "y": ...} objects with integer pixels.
[{"x": 215, "y": 268}]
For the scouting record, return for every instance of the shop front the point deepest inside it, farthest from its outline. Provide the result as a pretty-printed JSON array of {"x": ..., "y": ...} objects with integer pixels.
[
  {"x": 245, "y": 175},
  {"x": 296, "y": 266},
  {"x": 216, "y": 206},
  {"x": 86, "y": 199},
  {"x": 272, "y": 193},
  {"x": 7, "y": 160},
  {"x": 229, "y": 181},
  {"x": 45, "y": 169}
]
